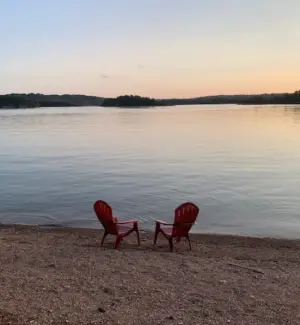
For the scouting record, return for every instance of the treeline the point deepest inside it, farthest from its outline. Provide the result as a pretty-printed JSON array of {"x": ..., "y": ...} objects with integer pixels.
[
  {"x": 130, "y": 101},
  {"x": 293, "y": 98},
  {"x": 261, "y": 99},
  {"x": 40, "y": 100},
  {"x": 219, "y": 99}
]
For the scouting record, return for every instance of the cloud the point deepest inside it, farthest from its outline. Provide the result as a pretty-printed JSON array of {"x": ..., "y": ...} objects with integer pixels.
[{"x": 104, "y": 76}]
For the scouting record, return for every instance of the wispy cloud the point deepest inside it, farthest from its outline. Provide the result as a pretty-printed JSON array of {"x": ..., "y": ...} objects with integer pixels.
[{"x": 112, "y": 76}]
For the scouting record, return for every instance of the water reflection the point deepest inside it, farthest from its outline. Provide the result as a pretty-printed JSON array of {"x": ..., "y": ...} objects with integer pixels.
[{"x": 294, "y": 112}]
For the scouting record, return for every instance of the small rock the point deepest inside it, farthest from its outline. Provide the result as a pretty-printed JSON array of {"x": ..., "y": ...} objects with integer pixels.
[
  {"x": 170, "y": 317},
  {"x": 108, "y": 291},
  {"x": 195, "y": 301},
  {"x": 205, "y": 314},
  {"x": 223, "y": 281},
  {"x": 101, "y": 310},
  {"x": 52, "y": 265}
]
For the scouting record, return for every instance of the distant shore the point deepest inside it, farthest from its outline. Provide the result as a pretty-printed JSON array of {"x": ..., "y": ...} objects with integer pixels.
[
  {"x": 40, "y": 100},
  {"x": 63, "y": 276}
]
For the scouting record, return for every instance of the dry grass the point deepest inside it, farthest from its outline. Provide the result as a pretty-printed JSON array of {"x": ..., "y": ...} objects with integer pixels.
[{"x": 64, "y": 277}]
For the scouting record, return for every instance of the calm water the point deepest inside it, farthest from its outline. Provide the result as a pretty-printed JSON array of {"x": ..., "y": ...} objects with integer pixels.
[{"x": 240, "y": 164}]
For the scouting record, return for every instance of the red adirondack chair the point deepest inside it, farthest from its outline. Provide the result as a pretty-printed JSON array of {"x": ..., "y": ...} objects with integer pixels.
[
  {"x": 185, "y": 217},
  {"x": 111, "y": 224}
]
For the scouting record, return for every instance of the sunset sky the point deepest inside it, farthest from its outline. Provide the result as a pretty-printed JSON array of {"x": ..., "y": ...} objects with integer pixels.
[{"x": 157, "y": 48}]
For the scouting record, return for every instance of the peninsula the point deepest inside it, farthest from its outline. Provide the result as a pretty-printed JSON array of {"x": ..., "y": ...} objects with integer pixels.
[{"x": 131, "y": 101}]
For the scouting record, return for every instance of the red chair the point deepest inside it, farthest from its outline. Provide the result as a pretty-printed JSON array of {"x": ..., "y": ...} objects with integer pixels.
[
  {"x": 111, "y": 224},
  {"x": 185, "y": 217}
]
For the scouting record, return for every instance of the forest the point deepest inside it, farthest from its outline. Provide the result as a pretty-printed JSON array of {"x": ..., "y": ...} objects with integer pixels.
[{"x": 41, "y": 100}]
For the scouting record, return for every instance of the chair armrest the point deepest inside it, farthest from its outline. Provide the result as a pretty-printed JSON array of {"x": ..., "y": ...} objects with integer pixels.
[
  {"x": 126, "y": 222},
  {"x": 164, "y": 223},
  {"x": 182, "y": 224}
]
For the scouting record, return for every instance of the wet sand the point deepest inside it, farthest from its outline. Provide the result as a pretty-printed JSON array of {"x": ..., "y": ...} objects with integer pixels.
[{"x": 63, "y": 276}]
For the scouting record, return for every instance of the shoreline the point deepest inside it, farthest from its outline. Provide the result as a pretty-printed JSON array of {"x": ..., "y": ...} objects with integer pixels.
[
  {"x": 62, "y": 276},
  {"x": 148, "y": 232}
]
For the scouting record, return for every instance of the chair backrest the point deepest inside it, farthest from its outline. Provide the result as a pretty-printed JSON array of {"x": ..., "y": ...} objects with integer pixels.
[
  {"x": 105, "y": 216},
  {"x": 185, "y": 216}
]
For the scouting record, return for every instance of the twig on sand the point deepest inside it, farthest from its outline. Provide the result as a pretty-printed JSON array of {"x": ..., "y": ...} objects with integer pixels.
[{"x": 247, "y": 268}]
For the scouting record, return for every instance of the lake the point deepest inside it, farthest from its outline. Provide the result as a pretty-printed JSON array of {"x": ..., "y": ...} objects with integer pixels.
[{"x": 239, "y": 164}]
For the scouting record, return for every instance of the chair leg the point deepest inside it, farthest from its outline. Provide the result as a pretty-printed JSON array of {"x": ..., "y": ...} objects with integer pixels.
[
  {"x": 171, "y": 243},
  {"x": 118, "y": 241},
  {"x": 103, "y": 238},
  {"x": 188, "y": 238},
  {"x": 157, "y": 228},
  {"x": 136, "y": 229}
]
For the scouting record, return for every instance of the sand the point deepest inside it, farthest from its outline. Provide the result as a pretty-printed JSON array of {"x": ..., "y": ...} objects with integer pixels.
[{"x": 63, "y": 276}]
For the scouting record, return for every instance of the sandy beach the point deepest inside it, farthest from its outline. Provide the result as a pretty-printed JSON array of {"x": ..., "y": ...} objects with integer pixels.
[{"x": 63, "y": 276}]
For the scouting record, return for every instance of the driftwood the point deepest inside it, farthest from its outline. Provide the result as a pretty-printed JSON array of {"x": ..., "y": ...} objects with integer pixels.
[{"x": 247, "y": 268}]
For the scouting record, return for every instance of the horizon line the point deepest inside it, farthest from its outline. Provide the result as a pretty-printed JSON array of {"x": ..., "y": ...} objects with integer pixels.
[{"x": 167, "y": 98}]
